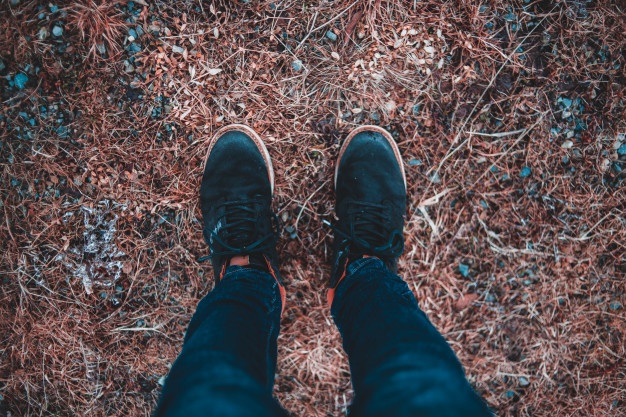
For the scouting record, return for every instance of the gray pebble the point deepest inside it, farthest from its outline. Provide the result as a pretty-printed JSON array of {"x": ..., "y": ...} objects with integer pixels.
[
  {"x": 331, "y": 35},
  {"x": 296, "y": 65},
  {"x": 57, "y": 31},
  {"x": 43, "y": 34},
  {"x": 523, "y": 382},
  {"x": 435, "y": 178}
]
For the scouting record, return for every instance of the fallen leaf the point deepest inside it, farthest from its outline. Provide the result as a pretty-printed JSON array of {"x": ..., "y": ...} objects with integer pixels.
[{"x": 465, "y": 301}]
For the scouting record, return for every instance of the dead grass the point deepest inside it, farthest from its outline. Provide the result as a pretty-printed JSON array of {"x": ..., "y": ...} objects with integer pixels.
[{"x": 473, "y": 94}]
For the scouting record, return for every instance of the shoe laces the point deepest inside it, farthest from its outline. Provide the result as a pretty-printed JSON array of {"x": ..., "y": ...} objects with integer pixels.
[
  {"x": 370, "y": 233},
  {"x": 236, "y": 230}
]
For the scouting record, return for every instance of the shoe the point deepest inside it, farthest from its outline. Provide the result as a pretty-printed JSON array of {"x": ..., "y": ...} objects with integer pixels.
[
  {"x": 370, "y": 202},
  {"x": 235, "y": 196}
]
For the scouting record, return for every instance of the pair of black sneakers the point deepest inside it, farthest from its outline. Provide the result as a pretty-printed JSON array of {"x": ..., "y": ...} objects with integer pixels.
[{"x": 236, "y": 195}]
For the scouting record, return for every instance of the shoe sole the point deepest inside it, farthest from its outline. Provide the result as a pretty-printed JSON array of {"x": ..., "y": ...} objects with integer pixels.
[
  {"x": 252, "y": 134},
  {"x": 386, "y": 135}
]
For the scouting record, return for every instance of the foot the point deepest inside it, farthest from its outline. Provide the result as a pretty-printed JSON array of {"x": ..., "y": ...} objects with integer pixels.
[
  {"x": 370, "y": 193},
  {"x": 236, "y": 194}
]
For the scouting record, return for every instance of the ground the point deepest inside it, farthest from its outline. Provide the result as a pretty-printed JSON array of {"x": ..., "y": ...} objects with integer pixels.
[{"x": 509, "y": 115}]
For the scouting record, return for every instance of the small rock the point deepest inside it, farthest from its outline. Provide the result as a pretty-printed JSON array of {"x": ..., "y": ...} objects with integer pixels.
[
  {"x": 57, "y": 31},
  {"x": 178, "y": 49},
  {"x": 161, "y": 380},
  {"x": 526, "y": 172},
  {"x": 20, "y": 80},
  {"x": 622, "y": 150},
  {"x": 464, "y": 270},
  {"x": 484, "y": 204},
  {"x": 566, "y": 102},
  {"x": 133, "y": 33},
  {"x": 53, "y": 8},
  {"x": 577, "y": 154},
  {"x": 292, "y": 232},
  {"x": 415, "y": 162},
  {"x": 509, "y": 394},
  {"x": 43, "y": 34},
  {"x": 605, "y": 164},
  {"x": 615, "y": 305},
  {"x": 435, "y": 178},
  {"x": 128, "y": 67},
  {"x": 101, "y": 48},
  {"x": 103, "y": 295},
  {"x": 331, "y": 35},
  {"x": 567, "y": 144},
  {"x": 296, "y": 65},
  {"x": 523, "y": 381},
  {"x": 490, "y": 298}
]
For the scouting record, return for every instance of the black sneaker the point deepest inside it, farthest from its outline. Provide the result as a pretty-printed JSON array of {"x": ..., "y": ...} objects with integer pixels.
[
  {"x": 235, "y": 196},
  {"x": 370, "y": 193}
]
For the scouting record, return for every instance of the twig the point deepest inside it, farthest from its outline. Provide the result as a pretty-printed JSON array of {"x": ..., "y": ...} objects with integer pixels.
[{"x": 498, "y": 135}]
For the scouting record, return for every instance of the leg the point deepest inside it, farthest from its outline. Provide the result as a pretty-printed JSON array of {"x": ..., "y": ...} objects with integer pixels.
[
  {"x": 226, "y": 367},
  {"x": 400, "y": 364},
  {"x": 227, "y": 364}
]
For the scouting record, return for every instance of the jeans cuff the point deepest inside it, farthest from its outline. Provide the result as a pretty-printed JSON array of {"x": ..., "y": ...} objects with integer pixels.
[{"x": 362, "y": 263}]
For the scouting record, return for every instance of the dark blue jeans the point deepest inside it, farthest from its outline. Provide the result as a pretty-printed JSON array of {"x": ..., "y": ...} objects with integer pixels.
[{"x": 400, "y": 364}]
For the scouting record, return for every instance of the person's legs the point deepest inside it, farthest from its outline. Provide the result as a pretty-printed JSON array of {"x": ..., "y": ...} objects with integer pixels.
[
  {"x": 400, "y": 364},
  {"x": 227, "y": 364}
]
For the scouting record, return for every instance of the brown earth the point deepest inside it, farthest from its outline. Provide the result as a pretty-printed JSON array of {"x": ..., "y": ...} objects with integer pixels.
[{"x": 509, "y": 115}]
